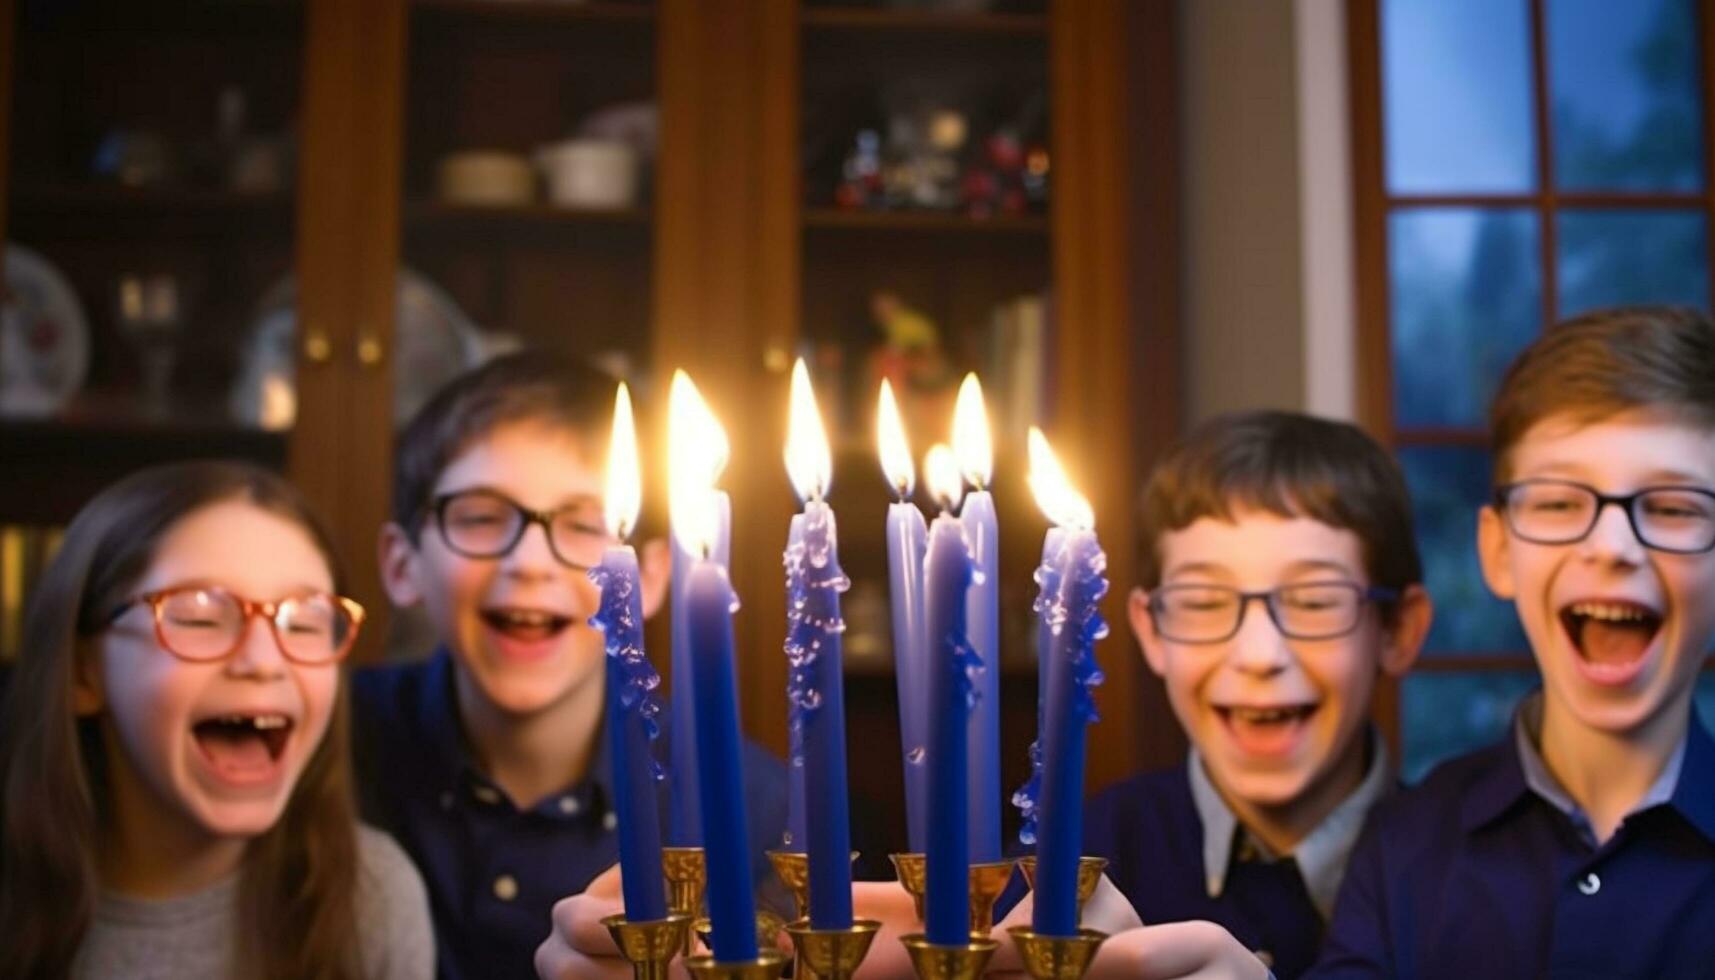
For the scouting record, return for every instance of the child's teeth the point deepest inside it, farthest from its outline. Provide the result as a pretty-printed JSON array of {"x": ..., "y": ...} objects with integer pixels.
[{"x": 1608, "y": 612}]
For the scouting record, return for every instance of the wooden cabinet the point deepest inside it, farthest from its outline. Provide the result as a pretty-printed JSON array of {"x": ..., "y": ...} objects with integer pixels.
[{"x": 734, "y": 258}]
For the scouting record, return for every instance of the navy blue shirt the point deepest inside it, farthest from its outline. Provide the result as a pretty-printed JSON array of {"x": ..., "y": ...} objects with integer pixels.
[
  {"x": 1475, "y": 874},
  {"x": 494, "y": 871}
]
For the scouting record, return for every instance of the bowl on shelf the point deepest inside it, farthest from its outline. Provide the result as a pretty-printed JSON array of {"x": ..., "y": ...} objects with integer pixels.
[
  {"x": 590, "y": 173},
  {"x": 486, "y": 178}
]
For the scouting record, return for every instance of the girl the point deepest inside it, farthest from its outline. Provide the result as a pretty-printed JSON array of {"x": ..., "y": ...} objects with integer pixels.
[{"x": 174, "y": 789}]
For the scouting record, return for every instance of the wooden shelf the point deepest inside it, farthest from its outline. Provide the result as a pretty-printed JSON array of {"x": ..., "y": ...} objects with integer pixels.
[
  {"x": 538, "y": 12},
  {"x": 938, "y": 222},
  {"x": 864, "y": 19},
  {"x": 432, "y": 216},
  {"x": 73, "y": 211},
  {"x": 86, "y": 198}
]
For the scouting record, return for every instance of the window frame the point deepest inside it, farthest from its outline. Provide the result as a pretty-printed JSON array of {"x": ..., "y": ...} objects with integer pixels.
[{"x": 1373, "y": 204}]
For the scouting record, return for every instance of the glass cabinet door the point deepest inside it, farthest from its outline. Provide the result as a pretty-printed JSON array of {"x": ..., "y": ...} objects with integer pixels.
[{"x": 148, "y": 240}]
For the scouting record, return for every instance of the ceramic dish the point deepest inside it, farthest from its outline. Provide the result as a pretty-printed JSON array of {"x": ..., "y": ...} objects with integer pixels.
[{"x": 44, "y": 337}]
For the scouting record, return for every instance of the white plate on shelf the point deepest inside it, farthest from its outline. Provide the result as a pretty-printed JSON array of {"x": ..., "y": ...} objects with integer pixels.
[
  {"x": 44, "y": 337},
  {"x": 434, "y": 342}
]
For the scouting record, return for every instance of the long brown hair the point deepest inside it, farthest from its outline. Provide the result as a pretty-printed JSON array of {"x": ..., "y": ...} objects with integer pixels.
[{"x": 296, "y": 913}]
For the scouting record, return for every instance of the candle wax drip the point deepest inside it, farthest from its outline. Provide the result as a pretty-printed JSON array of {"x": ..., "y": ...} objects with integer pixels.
[
  {"x": 1087, "y": 588},
  {"x": 625, "y": 654},
  {"x": 814, "y": 582}
]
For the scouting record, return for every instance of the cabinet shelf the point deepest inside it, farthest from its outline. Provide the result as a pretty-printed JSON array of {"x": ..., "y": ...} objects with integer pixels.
[
  {"x": 939, "y": 222},
  {"x": 538, "y": 12},
  {"x": 430, "y": 215},
  {"x": 861, "y": 19},
  {"x": 66, "y": 210}
]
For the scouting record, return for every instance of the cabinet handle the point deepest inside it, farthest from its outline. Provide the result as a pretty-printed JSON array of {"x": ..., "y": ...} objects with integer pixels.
[
  {"x": 318, "y": 349},
  {"x": 370, "y": 353}
]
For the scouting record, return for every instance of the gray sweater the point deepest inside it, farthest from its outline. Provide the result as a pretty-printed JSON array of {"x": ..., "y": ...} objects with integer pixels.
[{"x": 194, "y": 936}]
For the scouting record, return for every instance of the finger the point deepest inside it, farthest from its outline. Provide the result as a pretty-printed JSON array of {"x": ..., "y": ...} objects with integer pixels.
[
  {"x": 577, "y": 923},
  {"x": 606, "y": 884},
  {"x": 557, "y": 961},
  {"x": 1109, "y": 910}
]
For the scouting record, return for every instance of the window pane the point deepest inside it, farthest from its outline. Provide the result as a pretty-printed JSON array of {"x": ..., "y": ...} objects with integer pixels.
[
  {"x": 1611, "y": 257},
  {"x": 1466, "y": 297},
  {"x": 1706, "y": 697},
  {"x": 1456, "y": 89},
  {"x": 1623, "y": 83},
  {"x": 1446, "y": 714},
  {"x": 1448, "y": 484}
]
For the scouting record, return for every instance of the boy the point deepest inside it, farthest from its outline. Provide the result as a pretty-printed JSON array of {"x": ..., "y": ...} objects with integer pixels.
[
  {"x": 1311, "y": 518},
  {"x": 487, "y": 760},
  {"x": 1584, "y": 842}
]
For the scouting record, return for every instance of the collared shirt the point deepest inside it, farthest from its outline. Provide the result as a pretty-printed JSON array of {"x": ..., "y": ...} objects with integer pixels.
[
  {"x": 493, "y": 870},
  {"x": 1321, "y": 856},
  {"x": 1527, "y": 735},
  {"x": 1481, "y": 872},
  {"x": 1161, "y": 844}
]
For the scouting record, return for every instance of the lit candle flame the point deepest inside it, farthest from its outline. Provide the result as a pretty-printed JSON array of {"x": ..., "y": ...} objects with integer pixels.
[
  {"x": 1054, "y": 493},
  {"x": 890, "y": 441},
  {"x": 696, "y": 454},
  {"x": 941, "y": 473},
  {"x": 809, "y": 464},
  {"x": 624, "y": 481},
  {"x": 971, "y": 443}
]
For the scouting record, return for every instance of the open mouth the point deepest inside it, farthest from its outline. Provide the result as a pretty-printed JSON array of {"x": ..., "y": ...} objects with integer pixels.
[
  {"x": 1268, "y": 730},
  {"x": 243, "y": 745},
  {"x": 1611, "y": 633},
  {"x": 526, "y": 624}
]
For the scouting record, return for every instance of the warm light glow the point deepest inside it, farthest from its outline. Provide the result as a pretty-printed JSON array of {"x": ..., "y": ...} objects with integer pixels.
[
  {"x": 1063, "y": 504},
  {"x": 890, "y": 441},
  {"x": 971, "y": 443},
  {"x": 696, "y": 455},
  {"x": 809, "y": 463},
  {"x": 941, "y": 473},
  {"x": 624, "y": 481}
]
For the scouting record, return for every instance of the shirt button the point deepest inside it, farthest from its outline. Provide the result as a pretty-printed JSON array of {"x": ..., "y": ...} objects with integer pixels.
[
  {"x": 506, "y": 888},
  {"x": 609, "y": 820},
  {"x": 1590, "y": 884},
  {"x": 486, "y": 794},
  {"x": 569, "y": 805}
]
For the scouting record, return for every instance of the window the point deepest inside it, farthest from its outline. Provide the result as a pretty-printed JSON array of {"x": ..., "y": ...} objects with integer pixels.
[{"x": 1516, "y": 162}]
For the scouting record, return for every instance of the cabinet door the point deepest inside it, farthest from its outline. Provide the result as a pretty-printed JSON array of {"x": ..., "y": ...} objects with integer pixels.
[{"x": 148, "y": 185}]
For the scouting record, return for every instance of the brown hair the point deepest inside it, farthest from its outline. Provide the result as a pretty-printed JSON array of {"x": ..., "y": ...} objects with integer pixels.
[
  {"x": 1291, "y": 465},
  {"x": 1603, "y": 363},
  {"x": 296, "y": 913},
  {"x": 533, "y": 386}
]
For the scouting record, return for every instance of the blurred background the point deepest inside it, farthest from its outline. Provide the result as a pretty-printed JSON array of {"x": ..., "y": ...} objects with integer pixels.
[{"x": 269, "y": 228}]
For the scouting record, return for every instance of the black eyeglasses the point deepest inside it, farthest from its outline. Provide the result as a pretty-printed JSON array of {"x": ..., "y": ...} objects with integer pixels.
[
  {"x": 489, "y": 524},
  {"x": 1677, "y": 520},
  {"x": 202, "y": 624},
  {"x": 1301, "y": 611}
]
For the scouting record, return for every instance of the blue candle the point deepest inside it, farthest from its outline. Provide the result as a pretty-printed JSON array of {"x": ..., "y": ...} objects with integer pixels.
[
  {"x": 709, "y": 604},
  {"x": 948, "y": 574},
  {"x": 1075, "y": 624},
  {"x": 975, "y": 454},
  {"x": 630, "y": 681},
  {"x": 695, "y": 440},
  {"x": 815, "y": 627},
  {"x": 631, "y": 726},
  {"x": 905, "y": 546},
  {"x": 816, "y": 682},
  {"x": 795, "y": 837},
  {"x": 1048, "y": 582}
]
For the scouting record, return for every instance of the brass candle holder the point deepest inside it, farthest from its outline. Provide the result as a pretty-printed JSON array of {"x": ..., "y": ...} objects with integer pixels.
[
  {"x": 1089, "y": 876},
  {"x": 832, "y": 954},
  {"x": 934, "y": 962},
  {"x": 687, "y": 876},
  {"x": 793, "y": 870},
  {"x": 912, "y": 870},
  {"x": 768, "y": 927},
  {"x": 988, "y": 880},
  {"x": 648, "y": 946},
  {"x": 1056, "y": 957},
  {"x": 768, "y": 965}
]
